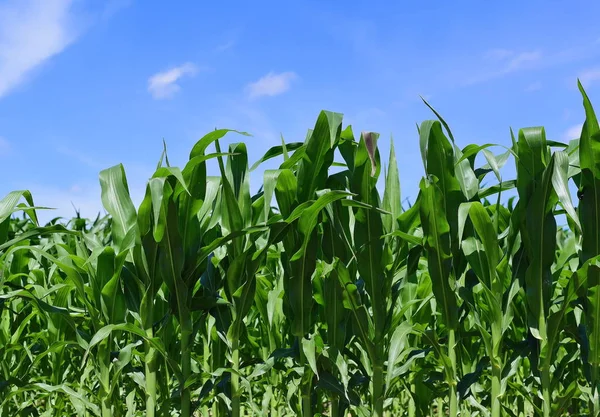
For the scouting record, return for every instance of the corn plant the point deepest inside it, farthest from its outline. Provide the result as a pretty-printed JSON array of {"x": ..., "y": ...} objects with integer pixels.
[{"x": 321, "y": 293}]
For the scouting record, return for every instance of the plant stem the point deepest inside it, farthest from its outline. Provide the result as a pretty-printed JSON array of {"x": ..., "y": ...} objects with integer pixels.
[
  {"x": 546, "y": 406},
  {"x": 274, "y": 383},
  {"x": 206, "y": 364},
  {"x": 335, "y": 406},
  {"x": 104, "y": 355},
  {"x": 306, "y": 385},
  {"x": 496, "y": 381},
  {"x": 440, "y": 407},
  {"x": 496, "y": 358},
  {"x": 235, "y": 377},
  {"x": 453, "y": 400},
  {"x": 595, "y": 407},
  {"x": 412, "y": 407},
  {"x": 274, "y": 374},
  {"x": 377, "y": 390},
  {"x": 150, "y": 369},
  {"x": 151, "y": 365},
  {"x": 377, "y": 380},
  {"x": 106, "y": 410},
  {"x": 186, "y": 363}
]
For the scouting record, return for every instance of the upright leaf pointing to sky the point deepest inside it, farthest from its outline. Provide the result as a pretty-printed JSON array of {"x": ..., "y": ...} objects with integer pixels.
[
  {"x": 589, "y": 214},
  {"x": 116, "y": 200}
]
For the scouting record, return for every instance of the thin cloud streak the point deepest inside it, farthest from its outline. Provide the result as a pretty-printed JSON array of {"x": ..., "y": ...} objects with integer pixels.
[
  {"x": 225, "y": 46},
  {"x": 589, "y": 76},
  {"x": 80, "y": 157},
  {"x": 163, "y": 85},
  {"x": 536, "y": 86},
  {"x": 574, "y": 132},
  {"x": 5, "y": 146},
  {"x": 506, "y": 62},
  {"x": 502, "y": 62}
]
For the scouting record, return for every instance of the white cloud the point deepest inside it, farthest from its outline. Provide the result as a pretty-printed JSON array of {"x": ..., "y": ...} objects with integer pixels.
[
  {"x": 573, "y": 132},
  {"x": 164, "y": 84},
  {"x": 31, "y": 32},
  {"x": 590, "y": 76},
  {"x": 271, "y": 84}
]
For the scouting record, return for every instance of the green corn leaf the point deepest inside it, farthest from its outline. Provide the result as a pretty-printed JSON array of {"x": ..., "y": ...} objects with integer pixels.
[
  {"x": 309, "y": 349},
  {"x": 561, "y": 186},
  {"x": 541, "y": 232},
  {"x": 156, "y": 343},
  {"x": 368, "y": 229},
  {"x": 439, "y": 164},
  {"x": 436, "y": 233},
  {"x": 238, "y": 176},
  {"x": 398, "y": 343},
  {"x": 352, "y": 301},
  {"x": 276, "y": 151},
  {"x": 391, "y": 195},
  {"x": 589, "y": 187},
  {"x": 112, "y": 294},
  {"x": 200, "y": 147},
  {"x": 170, "y": 262},
  {"x": 117, "y": 202},
  {"x": 285, "y": 192},
  {"x": 312, "y": 171},
  {"x": 336, "y": 315},
  {"x": 9, "y": 205}
]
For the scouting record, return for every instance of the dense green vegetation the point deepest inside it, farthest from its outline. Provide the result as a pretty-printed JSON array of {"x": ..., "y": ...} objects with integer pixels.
[{"x": 318, "y": 294}]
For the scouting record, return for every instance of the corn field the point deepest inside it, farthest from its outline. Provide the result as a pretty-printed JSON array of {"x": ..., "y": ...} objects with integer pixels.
[{"x": 320, "y": 294}]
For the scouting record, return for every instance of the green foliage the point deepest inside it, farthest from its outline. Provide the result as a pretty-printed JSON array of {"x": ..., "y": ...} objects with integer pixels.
[{"x": 320, "y": 294}]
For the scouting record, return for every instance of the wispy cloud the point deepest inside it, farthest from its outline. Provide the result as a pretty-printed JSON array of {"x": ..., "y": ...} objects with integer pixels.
[
  {"x": 535, "y": 86},
  {"x": 271, "y": 84},
  {"x": 111, "y": 7},
  {"x": 503, "y": 62},
  {"x": 589, "y": 76},
  {"x": 573, "y": 132},
  {"x": 365, "y": 119},
  {"x": 31, "y": 32},
  {"x": 521, "y": 61},
  {"x": 247, "y": 117},
  {"x": 229, "y": 39},
  {"x": 497, "y": 63},
  {"x": 80, "y": 157},
  {"x": 498, "y": 54},
  {"x": 225, "y": 46},
  {"x": 164, "y": 85},
  {"x": 4, "y": 146}
]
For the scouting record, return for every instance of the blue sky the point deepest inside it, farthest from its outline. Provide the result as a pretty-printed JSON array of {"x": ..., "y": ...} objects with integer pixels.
[{"x": 88, "y": 84}]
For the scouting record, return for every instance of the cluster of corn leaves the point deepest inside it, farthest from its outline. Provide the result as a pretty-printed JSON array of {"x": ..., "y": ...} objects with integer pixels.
[{"x": 317, "y": 295}]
